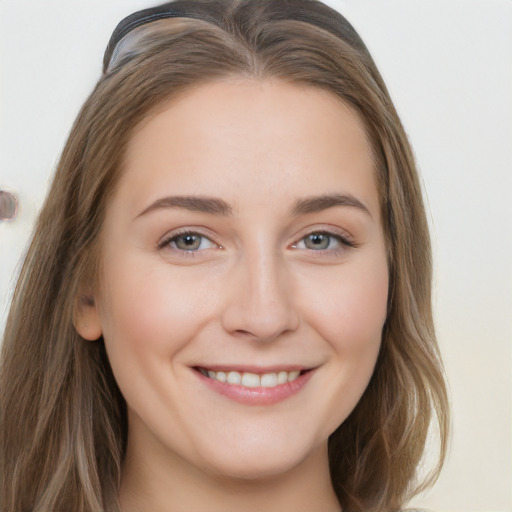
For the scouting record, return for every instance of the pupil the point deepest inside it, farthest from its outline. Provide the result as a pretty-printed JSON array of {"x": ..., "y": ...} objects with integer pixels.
[
  {"x": 318, "y": 241},
  {"x": 188, "y": 242}
]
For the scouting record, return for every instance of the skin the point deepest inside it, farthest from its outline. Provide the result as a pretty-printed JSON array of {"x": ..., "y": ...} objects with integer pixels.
[{"x": 255, "y": 291}]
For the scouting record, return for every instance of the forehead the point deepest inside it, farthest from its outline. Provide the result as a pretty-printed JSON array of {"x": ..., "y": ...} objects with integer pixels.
[{"x": 250, "y": 139}]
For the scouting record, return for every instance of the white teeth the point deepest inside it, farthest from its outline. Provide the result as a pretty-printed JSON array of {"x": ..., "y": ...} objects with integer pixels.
[
  {"x": 253, "y": 380},
  {"x": 282, "y": 377},
  {"x": 234, "y": 378},
  {"x": 293, "y": 375},
  {"x": 268, "y": 380}
]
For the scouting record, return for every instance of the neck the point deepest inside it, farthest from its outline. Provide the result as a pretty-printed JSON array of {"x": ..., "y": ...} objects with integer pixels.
[{"x": 164, "y": 483}]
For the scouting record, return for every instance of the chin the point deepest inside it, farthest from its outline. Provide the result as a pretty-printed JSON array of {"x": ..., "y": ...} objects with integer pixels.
[
  {"x": 263, "y": 462},
  {"x": 255, "y": 472}
]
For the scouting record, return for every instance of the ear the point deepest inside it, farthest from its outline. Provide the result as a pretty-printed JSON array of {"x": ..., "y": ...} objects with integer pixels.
[{"x": 86, "y": 318}]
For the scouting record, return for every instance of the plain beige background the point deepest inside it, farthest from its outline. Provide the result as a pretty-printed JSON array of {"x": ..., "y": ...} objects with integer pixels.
[{"x": 448, "y": 66}]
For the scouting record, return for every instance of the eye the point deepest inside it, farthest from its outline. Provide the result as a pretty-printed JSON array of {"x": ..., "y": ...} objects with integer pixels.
[
  {"x": 319, "y": 241},
  {"x": 188, "y": 241},
  {"x": 323, "y": 241}
]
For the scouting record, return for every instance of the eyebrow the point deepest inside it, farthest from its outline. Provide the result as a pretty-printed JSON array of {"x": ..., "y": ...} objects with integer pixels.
[
  {"x": 316, "y": 204},
  {"x": 215, "y": 206},
  {"x": 202, "y": 204}
]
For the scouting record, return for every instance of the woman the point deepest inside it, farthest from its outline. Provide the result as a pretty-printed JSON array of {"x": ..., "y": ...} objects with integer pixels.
[{"x": 226, "y": 302}]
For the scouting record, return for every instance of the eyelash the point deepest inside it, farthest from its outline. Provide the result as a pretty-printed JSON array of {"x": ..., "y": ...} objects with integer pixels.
[
  {"x": 343, "y": 240},
  {"x": 165, "y": 243}
]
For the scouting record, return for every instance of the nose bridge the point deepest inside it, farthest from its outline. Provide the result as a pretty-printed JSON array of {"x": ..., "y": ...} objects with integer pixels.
[{"x": 261, "y": 305}]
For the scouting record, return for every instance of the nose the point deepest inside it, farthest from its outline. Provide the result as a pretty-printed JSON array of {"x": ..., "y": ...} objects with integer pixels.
[{"x": 260, "y": 300}]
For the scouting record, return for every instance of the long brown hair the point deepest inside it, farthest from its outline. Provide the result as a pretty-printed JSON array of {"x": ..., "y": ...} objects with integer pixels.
[{"x": 63, "y": 419}]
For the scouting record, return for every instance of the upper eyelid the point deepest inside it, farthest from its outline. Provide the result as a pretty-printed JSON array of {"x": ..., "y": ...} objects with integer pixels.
[
  {"x": 185, "y": 231},
  {"x": 336, "y": 232},
  {"x": 343, "y": 241}
]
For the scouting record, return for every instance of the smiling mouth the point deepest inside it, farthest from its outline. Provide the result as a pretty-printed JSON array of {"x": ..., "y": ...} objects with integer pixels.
[{"x": 252, "y": 380}]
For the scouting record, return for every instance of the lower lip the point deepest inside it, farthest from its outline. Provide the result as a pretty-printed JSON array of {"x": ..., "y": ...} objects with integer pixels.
[{"x": 260, "y": 395}]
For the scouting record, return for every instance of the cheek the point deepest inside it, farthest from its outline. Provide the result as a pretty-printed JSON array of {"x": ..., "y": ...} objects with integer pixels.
[
  {"x": 349, "y": 309},
  {"x": 152, "y": 310},
  {"x": 346, "y": 306},
  {"x": 350, "y": 316}
]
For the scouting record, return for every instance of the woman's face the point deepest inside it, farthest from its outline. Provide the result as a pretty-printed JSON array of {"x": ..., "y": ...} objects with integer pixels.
[{"x": 244, "y": 278}]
